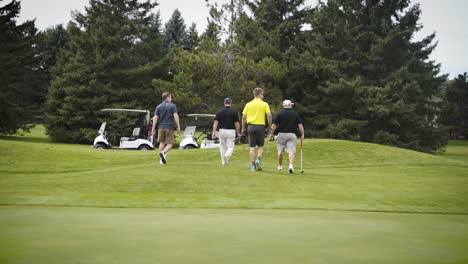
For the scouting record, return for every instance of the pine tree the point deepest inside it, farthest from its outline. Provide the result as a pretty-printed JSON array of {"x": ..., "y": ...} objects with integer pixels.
[
  {"x": 115, "y": 49},
  {"x": 175, "y": 31},
  {"x": 192, "y": 40},
  {"x": 18, "y": 70},
  {"x": 54, "y": 40},
  {"x": 273, "y": 27},
  {"x": 454, "y": 114},
  {"x": 363, "y": 78}
]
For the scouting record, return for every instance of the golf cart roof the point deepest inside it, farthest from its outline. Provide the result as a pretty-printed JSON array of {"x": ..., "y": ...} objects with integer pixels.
[
  {"x": 124, "y": 110},
  {"x": 147, "y": 112},
  {"x": 201, "y": 115}
]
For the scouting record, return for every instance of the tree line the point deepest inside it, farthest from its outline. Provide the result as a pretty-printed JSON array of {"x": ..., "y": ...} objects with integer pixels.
[{"x": 353, "y": 68}]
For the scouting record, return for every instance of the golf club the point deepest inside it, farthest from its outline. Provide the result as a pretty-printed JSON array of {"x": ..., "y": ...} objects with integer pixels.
[{"x": 302, "y": 171}]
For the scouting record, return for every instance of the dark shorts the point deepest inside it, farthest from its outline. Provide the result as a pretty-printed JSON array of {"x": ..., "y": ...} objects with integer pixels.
[{"x": 256, "y": 135}]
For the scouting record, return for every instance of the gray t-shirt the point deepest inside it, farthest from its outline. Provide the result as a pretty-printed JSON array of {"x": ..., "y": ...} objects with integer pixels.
[{"x": 165, "y": 111}]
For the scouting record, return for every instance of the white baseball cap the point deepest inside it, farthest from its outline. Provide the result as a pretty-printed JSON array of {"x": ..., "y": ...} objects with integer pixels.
[{"x": 287, "y": 102}]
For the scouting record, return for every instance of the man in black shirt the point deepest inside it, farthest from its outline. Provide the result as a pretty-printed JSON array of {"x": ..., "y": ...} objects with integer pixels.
[
  {"x": 286, "y": 123},
  {"x": 227, "y": 120}
]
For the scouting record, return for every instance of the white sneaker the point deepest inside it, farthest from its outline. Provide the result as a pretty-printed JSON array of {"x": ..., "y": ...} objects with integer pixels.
[
  {"x": 280, "y": 168},
  {"x": 226, "y": 160},
  {"x": 163, "y": 157}
]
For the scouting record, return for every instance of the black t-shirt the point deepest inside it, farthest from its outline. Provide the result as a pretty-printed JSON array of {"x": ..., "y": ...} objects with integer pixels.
[
  {"x": 227, "y": 117},
  {"x": 287, "y": 121}
]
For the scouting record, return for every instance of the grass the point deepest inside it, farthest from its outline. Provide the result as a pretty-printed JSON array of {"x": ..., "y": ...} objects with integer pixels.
[
  {"x": 355, "y": 203},
  {"x": 458, "y": 150}
]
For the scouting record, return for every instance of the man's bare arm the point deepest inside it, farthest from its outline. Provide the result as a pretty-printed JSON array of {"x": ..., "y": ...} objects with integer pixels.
[
  {"x": 176, "y": 118},
  {"x": 155, "y": 121},
  {"x": 301, "y": 129},
  {"x": 244, "y": 124},
  {"x": 215, "y": 127},
  {"x": 269, "y": 120}
]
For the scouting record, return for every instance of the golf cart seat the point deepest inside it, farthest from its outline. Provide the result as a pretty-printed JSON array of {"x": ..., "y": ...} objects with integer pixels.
[{"x": 135, "y": 134}]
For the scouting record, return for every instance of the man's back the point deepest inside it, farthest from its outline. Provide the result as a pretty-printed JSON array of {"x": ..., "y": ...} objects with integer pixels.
[
  {"x": 287, "y": 121},
  {"x": 227, "y": 117},
  {"x": 255, "y": 111},
  {"x": 165, "y": 112}
]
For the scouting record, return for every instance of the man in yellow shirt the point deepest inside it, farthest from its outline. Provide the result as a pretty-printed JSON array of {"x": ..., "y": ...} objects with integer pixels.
[{"x": 253, "y": 122}]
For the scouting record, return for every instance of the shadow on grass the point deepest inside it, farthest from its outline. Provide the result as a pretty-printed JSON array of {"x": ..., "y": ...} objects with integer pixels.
[{"x": 27, "y": 139}]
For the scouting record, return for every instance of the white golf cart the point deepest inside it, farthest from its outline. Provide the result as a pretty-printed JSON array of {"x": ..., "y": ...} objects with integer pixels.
[
  {"x": 190, "y": 141},
  {"x": 139, "y": 139}
]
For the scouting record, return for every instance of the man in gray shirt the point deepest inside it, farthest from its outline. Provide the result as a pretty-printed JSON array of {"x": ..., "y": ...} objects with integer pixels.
[{"x": 166, "y": 114}]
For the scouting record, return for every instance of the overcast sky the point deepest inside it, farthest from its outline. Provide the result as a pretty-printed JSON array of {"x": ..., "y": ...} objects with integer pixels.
[{"x": 448, "y": 18}]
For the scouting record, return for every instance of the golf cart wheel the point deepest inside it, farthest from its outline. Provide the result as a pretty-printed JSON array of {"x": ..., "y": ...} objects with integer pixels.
[
  {"x": 144, "y": 147},
  {"x": 189, "y": 147},
  {"x": 100, "y": 146}
]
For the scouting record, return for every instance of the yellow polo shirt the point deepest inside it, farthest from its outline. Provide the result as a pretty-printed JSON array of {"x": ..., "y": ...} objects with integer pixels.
[{"x": 255, "y": 111}]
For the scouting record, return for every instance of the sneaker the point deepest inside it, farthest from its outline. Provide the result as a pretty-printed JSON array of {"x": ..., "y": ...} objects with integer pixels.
[
  {"x": 163, "y": 157},
  {"x": 253, "y": 168},
  {"x": 160, "y": 162},
  {"x": 226, "y": 160},
  {"x": 291, "y": 170},
  {"x": 280, "y": 168},
  {"x": 259, "y": 165}
]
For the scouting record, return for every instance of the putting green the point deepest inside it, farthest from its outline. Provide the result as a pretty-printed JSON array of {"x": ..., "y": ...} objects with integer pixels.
[{"x": 122, "y": 235}]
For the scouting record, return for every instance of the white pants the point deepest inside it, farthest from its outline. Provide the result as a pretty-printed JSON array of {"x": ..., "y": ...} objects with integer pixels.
[{"x": 226, "y": 140}]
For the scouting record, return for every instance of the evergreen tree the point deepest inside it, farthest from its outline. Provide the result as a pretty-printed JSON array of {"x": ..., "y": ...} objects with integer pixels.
[
  {"x": 47, "y": 49},
  {"x": 212, "y": 31},
  {"x": 175, "y": 31},
  {"x": 454, "y": 113},
  {"x": 363, "y": 78},
  {"x": 202, "y": 79},
  {"x": 226, "y": 16},
  {"x": 210, "y": 39},
  {"x": 18, "y": 70},
  {"x": 115, "y": 49},
  {"x": 272, "y": 29},
  {"x": 54, "y": 40},
  {"x": 192, "y": 39}
]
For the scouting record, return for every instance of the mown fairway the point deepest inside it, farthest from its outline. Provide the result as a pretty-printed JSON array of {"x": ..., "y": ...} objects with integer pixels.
[{"x": 356, "y": 203}]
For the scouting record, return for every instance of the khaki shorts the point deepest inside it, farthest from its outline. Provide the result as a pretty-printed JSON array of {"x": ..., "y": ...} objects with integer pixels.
[
  {"x": 166, "y": 136},
  {"x": 286, "y": 142}
]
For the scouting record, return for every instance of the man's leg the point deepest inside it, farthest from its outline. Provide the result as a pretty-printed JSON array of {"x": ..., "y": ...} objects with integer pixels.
[
  {"x": 291, "y": 148},
  {"x": 222, "y": 145},
  {"x": 253, "y": 155},
  {"x": 169, "y": 140},
  {"x": 260, "y": 152},
  {"x": 252, "y": 144},
  {"x": 280, "y": 161},
  {"x": 161, "y": 147},
  {"x": 280, "y": 147},
  {"x": 162, "y": 159},
  {"x": 230, "y": 138},
  {"x": 167, "y": 148},
  {"x": 260, "y": 140},
  {"x": 161, "y": 139},
  {"x": 292, "y": 156}
]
